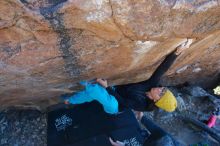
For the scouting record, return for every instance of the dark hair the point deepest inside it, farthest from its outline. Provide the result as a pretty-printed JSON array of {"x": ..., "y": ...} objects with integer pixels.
[{"x": 151, "y": 106}]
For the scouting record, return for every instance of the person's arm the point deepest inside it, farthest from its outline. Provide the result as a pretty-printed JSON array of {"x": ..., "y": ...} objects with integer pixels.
[
  {"x": 109, "y": 103},
  {"x": 98, "y": 93},
  {"x": 79, "y": 98},
  {"x": 169, "y": 60},
  {"x": 163, "y": 67}
]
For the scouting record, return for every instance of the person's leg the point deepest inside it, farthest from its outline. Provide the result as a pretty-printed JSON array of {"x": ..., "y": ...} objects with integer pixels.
[{"x": 156, "y": 131}]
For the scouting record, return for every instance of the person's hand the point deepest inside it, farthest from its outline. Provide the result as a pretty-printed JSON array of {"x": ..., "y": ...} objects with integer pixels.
[
  {"x": 184, "y": 46},
  {"x": 117, "y": 143},
  {"x": 139, "y": 115},
  {"x": 102, "y": 82},
  {"x": 179, "y": 50}
]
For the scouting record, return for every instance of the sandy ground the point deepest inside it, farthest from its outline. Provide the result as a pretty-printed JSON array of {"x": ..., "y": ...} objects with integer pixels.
[{"x": 29, "y": 127}]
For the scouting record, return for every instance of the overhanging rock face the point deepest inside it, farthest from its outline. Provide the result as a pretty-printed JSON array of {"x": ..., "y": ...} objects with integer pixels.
[{"x": 47, "y": 46}]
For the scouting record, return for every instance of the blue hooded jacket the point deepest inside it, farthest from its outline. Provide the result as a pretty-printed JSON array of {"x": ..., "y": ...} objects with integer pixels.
[{"x": 95, "y": 92}]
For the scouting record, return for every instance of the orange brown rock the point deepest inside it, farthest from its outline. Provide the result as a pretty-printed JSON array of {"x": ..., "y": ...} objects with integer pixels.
[{"x": 46, "y": 46}]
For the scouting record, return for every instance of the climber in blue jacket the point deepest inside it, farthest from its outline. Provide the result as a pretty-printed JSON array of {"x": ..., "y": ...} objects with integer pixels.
[
  {"x": 95, "y": 92},
  {"x": 141, "y": 96}
]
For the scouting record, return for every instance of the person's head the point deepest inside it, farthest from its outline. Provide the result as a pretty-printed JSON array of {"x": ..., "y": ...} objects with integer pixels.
[{"x": 163, "y": 98}]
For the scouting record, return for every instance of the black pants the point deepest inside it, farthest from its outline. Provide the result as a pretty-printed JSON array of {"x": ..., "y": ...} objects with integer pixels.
[{"x": 156, "y": 131}]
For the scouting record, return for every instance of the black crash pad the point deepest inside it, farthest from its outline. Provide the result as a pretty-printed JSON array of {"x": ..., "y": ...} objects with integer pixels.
[{"x": 87, "y": 125}]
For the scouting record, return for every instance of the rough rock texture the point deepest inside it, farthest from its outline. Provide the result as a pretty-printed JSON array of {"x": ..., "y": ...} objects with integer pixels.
[
  {"x": 47, "y": 46},
  {"x": 189, "y": 97},
  {"x": 23, "y": 128},
  {"x": 29, "y": 127}
]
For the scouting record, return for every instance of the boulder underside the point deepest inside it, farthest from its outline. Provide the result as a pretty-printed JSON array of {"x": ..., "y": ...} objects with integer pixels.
[{"x": 47, "y": 46}]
